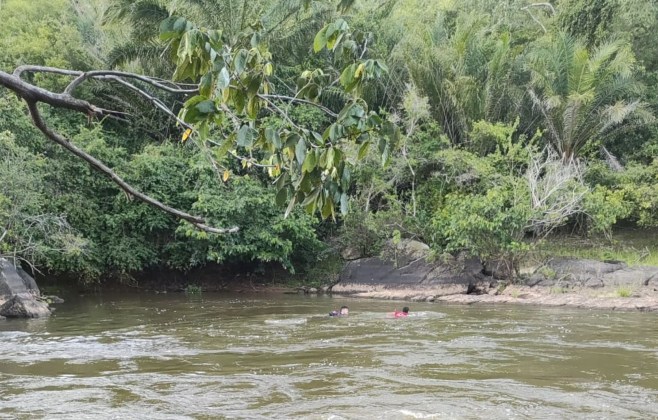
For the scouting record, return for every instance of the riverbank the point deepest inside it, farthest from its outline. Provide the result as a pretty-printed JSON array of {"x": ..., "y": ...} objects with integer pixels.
[
  {"x": 561, "y": 281},
  {"x": 413, "y": 275},
  {"x": 604, "y": 298}
]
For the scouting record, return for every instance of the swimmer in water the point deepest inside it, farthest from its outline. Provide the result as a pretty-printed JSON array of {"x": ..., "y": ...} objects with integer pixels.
[
  {"x": 344, "y": 311},
  {"x": 401, "y": 314}
]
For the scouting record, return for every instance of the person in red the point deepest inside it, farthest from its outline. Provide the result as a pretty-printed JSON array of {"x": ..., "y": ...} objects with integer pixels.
[{"x": 401, "y": 314}]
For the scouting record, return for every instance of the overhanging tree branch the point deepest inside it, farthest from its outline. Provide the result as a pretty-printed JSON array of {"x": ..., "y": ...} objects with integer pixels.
[
  {"x": 81, "y": 76},
  {"x": 155, "y": 101},
  {"x": 33, "y": 95}
]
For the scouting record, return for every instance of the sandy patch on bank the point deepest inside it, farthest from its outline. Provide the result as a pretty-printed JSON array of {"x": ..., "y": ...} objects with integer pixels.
[{"x": 642, "y": 299}]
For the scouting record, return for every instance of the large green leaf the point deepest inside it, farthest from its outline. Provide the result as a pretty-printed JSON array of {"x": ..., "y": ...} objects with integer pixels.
[
  {"x": 205, "y": 107},
  {"x": 344, "y": 203},
  {"x": 172, "y": 27},
  {"x": 253, "y": 106},
  {"x": 205, "y": 84},
  {"x": 281, "y": 197},
  {"x": 363, "y": 150},
  {"x": 327, "y": 208},
  {"x": 246, "y": 136},
  {"x": 224, "y": 79},
  {"x": 320, "y": 39},
  {"x": 300, "y": 151},
  {"x": 240, "y": 61},
  {"x": 309, "y": 162}
]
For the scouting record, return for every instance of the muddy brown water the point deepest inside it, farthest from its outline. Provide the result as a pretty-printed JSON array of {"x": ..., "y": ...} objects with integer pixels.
[{"x": 280, "y": 356}]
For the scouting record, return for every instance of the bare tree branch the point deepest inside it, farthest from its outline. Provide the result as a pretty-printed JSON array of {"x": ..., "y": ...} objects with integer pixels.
[
  {"x": 284, "y": 115},
  {"x": 33, "y": 95},
  {"x": 301, "y": 101},
  {"x": 100, "y": 167},
  {"x": 139, "y": 84},
  {"x": 157, "y": 102},
  {"x": 527, "y": 9},
  {"x": 98, "y": 74},
  {"x": 556, "y": 188},
  {"x": 548, "y": 5}
]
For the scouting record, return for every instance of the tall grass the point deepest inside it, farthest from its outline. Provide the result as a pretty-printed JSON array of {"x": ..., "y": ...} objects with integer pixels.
[{"x": 634, "y": 247}]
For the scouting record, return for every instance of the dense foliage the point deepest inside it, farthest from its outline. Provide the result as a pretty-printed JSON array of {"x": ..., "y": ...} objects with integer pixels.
[{"x": 475, "y": 126}]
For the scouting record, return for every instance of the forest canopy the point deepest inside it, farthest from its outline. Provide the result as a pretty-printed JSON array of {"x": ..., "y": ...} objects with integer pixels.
[{"x": 171, "y": 134}]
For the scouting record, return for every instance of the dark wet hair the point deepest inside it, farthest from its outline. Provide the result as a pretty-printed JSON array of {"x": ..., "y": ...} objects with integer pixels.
[
  {"x": 405, "y": 309},
  {"x": 344, "y": 307}
]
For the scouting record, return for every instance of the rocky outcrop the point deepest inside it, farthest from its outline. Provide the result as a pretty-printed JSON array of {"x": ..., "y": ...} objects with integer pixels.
[
  {"x": 574, "y": 273},
  {"x": 645, "y": 300},
  {"x": 406, "y": 272},
  {"x": 11, "y": 282},
  {"x": 19, "y": 294},
  {"x": 24, "y": 305},
  {"x": 29, "y": 282}
]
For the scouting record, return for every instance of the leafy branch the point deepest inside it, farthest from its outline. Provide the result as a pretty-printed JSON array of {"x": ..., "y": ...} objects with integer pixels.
[
  {"x": 234, "y": 89},
  {"x": 33, "y": 95}
]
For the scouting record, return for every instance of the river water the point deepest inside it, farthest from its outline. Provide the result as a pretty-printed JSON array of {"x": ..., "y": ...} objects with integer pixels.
[{"x": 280, "y": 356}]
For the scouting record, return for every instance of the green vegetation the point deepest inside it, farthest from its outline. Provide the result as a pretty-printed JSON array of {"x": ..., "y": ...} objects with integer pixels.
[
  {"x": 632, "y": 246},
  {"x": 557, "y": 290},
  {"x": 193, "y": 289},
  {"x": 623, "y": 292},
  {"x": 317, "y": 128}
]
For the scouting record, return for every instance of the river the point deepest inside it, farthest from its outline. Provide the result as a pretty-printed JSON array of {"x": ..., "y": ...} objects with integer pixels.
[{"x": 279, "y": 356}]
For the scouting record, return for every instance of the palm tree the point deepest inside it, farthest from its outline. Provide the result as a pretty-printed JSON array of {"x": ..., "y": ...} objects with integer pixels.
[
  {"x": 467, "y": 67},
  {"x": 583, "y": 96},
  {"x": 288, "y": 23}
]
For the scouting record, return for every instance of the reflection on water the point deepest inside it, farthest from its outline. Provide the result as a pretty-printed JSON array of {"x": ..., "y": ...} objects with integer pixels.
[{"x": 166, "y": 356}]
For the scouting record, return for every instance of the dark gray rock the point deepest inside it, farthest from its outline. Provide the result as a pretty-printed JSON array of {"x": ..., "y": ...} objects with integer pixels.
[
  {"x": 499, "y": 269},
  {"x": 631, "y": 276},
  {"x": 567, "y": 272},
  {"x": 594, "y": 283},
  {"x": 405, "y": 252},
  {"x": 537, "y": 280},
  {"x": 21, "y": 292},
  {"x": 29, "y": 282},
  {"x": 11, "y": 282},
  {"x": 24, "y": 305},
  {"x": 583, "y": 270},
  {"x": 52, "y": 299},
  {"x": 407, "y": 266}
]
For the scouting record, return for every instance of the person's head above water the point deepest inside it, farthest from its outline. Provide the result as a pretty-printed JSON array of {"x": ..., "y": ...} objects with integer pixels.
[
  {"x": 344, "y": 311},
  {"x": 405, "y": 309}
]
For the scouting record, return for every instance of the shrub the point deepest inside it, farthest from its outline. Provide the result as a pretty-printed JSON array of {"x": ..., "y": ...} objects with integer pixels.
[{"x": 490, "y": 225}]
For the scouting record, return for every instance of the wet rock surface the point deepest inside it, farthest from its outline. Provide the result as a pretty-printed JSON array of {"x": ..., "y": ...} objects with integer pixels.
[
  {"x": 19, "y": 293},
  {"x": 590, "y": 273},
  {"x": 24, "y": 305},
  {"x": 407, "y": 272}
]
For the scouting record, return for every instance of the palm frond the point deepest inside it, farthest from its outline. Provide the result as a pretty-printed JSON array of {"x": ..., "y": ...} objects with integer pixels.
[
  {"x": 595, "y": 99},
  {"x": 617, "y": 113}
]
